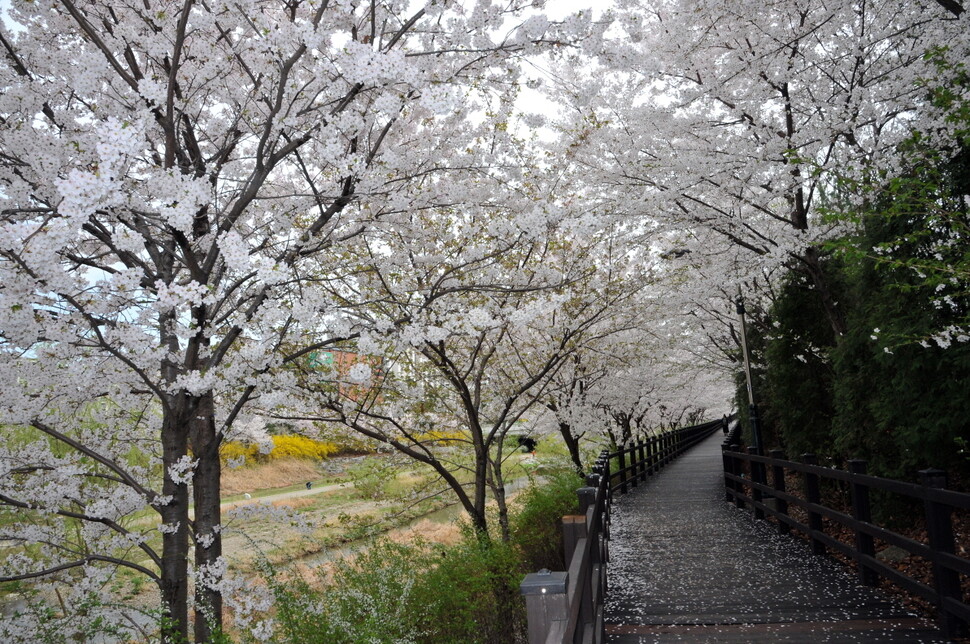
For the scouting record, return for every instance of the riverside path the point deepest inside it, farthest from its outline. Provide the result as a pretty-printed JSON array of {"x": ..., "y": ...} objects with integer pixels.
[{"x": 685, "y": 566}]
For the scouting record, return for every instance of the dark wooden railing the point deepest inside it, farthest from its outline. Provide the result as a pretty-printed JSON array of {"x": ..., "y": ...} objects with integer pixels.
[
  {"x": 746, "y": 484},
  {"x": 647, "y": 456},
  {"x": 566, "y": 607}
]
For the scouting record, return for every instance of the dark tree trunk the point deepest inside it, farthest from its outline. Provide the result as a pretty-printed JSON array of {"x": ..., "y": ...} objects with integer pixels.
[
  {"x": 952, "y": 6},
  {"x": 175, "y": 541},
  {"x": 572, "y": 444},
  {"x": 498, "y": 489},
  {"x": 811, "y": 264},
  {"x": 477, "y": 511},
  {"x": 208, "y": 517}
]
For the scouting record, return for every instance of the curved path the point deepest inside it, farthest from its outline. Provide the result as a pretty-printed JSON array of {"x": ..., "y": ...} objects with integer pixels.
[{"x": 685, "y": 566}]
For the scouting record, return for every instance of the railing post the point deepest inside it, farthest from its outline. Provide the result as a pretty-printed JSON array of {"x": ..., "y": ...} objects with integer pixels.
[
  {"x": 778, "y": 482},
  {"x": 587, "y": 497},
  {"x": 738, "y": 486},
  {"x": 573, "y": 529},
  {"x": 728, "y": 461},
  {"x": 939, "y": 528},
  {"x": 757, "y": 476},
  {"x": 622, "y": 471},
  {"x": 595, "y": 472},
  {"x": 813, "y": 495},
  {"x": 652, "y": 450},
  {"x": 545, "y": 603},
  {"x": 634, "y": 466},
  {"x": 643, "y": 460},
  {"x": 862, "y": 511}
]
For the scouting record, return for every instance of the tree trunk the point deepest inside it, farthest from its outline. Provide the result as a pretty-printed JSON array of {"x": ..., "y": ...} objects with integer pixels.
[
  {"x": 175, "y": 537},
  {"x": 498, "y": 489},
  {"x": 208, "y": 517},
  {"x": 812, "y": 266},
  {"x": 572, "y": 444},
  {"x": 479, "y": 519}
]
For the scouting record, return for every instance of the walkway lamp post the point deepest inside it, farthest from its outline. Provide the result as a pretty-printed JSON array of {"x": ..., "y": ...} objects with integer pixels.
[{"x": 752, "y": 407}]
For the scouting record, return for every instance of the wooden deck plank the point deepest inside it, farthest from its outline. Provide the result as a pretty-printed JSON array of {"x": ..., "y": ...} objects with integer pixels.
[{"x": 686, "y": 566}]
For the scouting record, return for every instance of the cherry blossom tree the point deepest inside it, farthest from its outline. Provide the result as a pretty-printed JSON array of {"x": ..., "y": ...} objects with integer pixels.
[
  {"x": 472, "y": 324},
  {"x": 637, "y": 382},
  {"x": 736, "y": 124},
  {"x": 177, "y": 182}
]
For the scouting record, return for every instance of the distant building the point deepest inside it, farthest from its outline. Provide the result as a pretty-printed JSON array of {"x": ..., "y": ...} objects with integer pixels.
[{"x": 341, "y": 362}]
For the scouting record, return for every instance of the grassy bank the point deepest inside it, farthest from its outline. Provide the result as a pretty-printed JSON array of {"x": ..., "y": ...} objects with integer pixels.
[{"x": 421, "y": 592}]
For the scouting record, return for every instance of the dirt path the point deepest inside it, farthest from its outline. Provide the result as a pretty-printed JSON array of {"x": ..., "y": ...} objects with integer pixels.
[{"x": 280, "y": 496}]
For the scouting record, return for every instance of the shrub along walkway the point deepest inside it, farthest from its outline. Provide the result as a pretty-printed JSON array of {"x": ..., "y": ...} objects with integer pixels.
[{"x": 685, "y": 566}]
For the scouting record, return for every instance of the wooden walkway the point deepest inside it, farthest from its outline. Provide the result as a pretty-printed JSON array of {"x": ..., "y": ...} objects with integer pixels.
[{"x": 685, "y": 566}]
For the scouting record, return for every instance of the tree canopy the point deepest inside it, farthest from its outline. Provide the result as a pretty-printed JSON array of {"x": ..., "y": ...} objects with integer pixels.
[{"x": 196, "y": 199}]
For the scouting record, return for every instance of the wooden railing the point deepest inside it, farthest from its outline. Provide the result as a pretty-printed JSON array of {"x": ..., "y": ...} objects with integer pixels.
[
  {"x": 566, "y": 607},
  {"x": 647, "y": 456},
  {"x": 746, "y": 484}
]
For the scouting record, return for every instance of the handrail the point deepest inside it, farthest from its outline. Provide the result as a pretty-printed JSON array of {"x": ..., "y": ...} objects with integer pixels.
[
  {"x": 566, "y": 607},
  {"x": 649, "y": 455},
  {"x": 939, "y": 503}
]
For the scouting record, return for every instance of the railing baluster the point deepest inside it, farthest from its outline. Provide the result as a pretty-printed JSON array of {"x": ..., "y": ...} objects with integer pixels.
[
  {"x": 738, "y": 485},
  {"x": 643, "y": 460},
  {"x": 778, "y": 482},
  {"x": 622, "y": 471},
  {"x": 939, "y": 528},
  {"x": 652, "y": 455},
  {"x": 728, "y": 461},
  {"x": 757, "y": 476},
  {"x": 634, "y": 465},
  {"x": 862, "y": 511},
  {"x": 813, "y": 495}
]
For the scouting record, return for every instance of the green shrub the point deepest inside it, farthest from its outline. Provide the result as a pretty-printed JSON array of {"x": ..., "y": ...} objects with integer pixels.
[
  {"x": 537, "y": 526},
  {"x": 472, "y": 595},
  {"x": 424, "y": 593}
]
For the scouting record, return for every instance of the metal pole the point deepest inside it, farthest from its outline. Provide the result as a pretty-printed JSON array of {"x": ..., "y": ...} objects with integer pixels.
[{"x": 752, "y": 407}]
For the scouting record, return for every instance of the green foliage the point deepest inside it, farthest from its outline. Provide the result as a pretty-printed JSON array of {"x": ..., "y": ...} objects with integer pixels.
[
  {"x": 473, "y": 594},
  {"x": 425, "y": 593},
  {"x": 800, "y": 405},
  {"x": 901, "y": 398},
  {"x": 373, "y": 476},
  {"x": 892, "y": 389},
  {"x": 536, "y": 527}
]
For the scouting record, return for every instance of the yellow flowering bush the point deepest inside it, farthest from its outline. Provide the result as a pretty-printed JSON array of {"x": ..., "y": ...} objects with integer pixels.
[
  {"x": 287, "y": 446},
  {"x": 234, "y": 450},
  {"x": 296, "y": 446}
]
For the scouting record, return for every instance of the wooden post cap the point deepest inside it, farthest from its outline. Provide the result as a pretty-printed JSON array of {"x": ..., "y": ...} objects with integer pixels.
[{"x": 544, "y": 582}]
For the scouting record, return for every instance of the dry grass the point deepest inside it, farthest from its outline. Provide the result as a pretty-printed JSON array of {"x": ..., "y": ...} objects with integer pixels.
[
  {"x": 318, "y": 576},
  {"x": 293, "y": 504},
  {"x": 280, "y": 473},
  {"x": 444, "y": 533}
]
